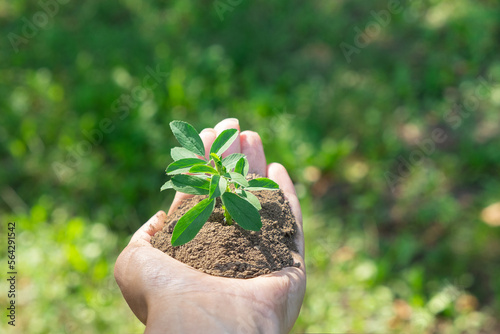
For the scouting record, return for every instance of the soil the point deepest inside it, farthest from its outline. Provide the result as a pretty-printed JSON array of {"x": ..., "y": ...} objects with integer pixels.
[{"x": 229, "y": 250}]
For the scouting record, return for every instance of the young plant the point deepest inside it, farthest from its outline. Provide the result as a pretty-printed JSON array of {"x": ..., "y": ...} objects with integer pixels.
[{"x": 213, "y": 177}]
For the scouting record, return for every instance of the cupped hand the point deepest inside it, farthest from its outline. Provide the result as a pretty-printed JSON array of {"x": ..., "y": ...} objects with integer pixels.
[{"x": 172, "y": 297}]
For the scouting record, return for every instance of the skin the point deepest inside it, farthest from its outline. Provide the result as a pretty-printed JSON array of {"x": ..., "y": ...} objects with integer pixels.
[{"x": 170, "y": 297}]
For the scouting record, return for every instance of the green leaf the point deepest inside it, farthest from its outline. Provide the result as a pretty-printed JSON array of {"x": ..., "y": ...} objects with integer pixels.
[
  {"x": 242, "y": 166},
  {"x": 217, "y": 186},
  {"x": 262, "y": 183},
  {"x": 218, "y": 163},
  {"x": 183, "y": 165},
  {"x": 167, "y": 185},
  {"x": 244, "y": 213},
  {"x": 238, "y": 178},
  {"x": 223, "y": 141},
  {"x": 251, "y": 198},
  {"x": 230, "y": 161},
  {"x": 204, "y": 176},
  {"x": 203, "y": 169},
  {"x": 191, "y": 223},
  {"x": 188, "y": 137},
  {"x": 178, "y": 153},
  {"x": 190, "y": 184},
  {"x": 215, "y": 157}
]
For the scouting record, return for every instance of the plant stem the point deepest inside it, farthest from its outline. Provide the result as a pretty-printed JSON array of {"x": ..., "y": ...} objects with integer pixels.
[
  {"x": 229, "y": 219},
  {"x": 218, "y": 167}
]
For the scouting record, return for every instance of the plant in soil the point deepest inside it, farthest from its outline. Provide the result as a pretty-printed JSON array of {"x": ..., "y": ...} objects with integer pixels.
[{"x": 215, "y": 177}]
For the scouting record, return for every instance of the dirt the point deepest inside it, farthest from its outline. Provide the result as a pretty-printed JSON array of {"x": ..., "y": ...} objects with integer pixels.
[{"x": 229, "y": 250}]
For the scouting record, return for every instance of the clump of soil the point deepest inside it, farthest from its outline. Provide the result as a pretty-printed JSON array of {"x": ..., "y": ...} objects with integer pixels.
[{"x": 229, "y": 250}]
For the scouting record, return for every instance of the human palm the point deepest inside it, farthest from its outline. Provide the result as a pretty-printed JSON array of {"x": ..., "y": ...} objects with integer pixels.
[{"x": 170, "y": 296}]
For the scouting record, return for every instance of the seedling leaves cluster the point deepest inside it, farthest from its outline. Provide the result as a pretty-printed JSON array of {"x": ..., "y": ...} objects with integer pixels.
[{"x": 215, "y": 177}]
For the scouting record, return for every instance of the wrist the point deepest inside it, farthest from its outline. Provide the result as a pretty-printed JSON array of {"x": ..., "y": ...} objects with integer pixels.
[{"x": 214, "y": 316}]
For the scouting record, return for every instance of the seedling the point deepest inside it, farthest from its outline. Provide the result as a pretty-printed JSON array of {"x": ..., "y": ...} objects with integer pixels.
[{"x": 213, "y": 177}]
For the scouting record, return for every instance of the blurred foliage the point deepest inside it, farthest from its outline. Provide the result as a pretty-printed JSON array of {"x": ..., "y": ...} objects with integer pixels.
[
  {"x": 84, "y": 147},
  {"x": 65, "y": 278}
]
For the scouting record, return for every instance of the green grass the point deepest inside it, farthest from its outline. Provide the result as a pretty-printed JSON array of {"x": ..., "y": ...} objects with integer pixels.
[{"x": 410, "y": 255}]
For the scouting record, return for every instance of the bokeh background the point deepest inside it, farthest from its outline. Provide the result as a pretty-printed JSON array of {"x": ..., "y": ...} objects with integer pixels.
[{"x": 384, "y": 112}]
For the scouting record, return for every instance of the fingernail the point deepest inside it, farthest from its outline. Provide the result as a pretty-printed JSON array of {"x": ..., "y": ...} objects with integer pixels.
[{"x": 233, "y": 119}]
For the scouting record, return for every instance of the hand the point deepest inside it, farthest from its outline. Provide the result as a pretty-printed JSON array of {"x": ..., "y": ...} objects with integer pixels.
[{"x": 171, "y": 297}]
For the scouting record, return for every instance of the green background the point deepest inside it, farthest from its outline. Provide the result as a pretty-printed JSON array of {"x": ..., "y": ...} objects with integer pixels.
[{"x": 387, "y": 121}]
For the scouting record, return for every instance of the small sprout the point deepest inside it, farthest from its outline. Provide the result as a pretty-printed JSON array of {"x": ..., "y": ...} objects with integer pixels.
[{"x": 213, "y": 177}]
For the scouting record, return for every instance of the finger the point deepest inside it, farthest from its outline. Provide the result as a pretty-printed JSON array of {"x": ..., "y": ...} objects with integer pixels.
[
  {"x": 179, "y": 197},
  {"x": 146, "y": 231},
  {"x": 278, "y": 174},
  {"x": 207, "y": 136},
  {"x": 230, "y": 123},
  {"x": 285, "y": 289},
  {"x": 251, "y": 146},
  {"x": 126, "y": 272}
]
